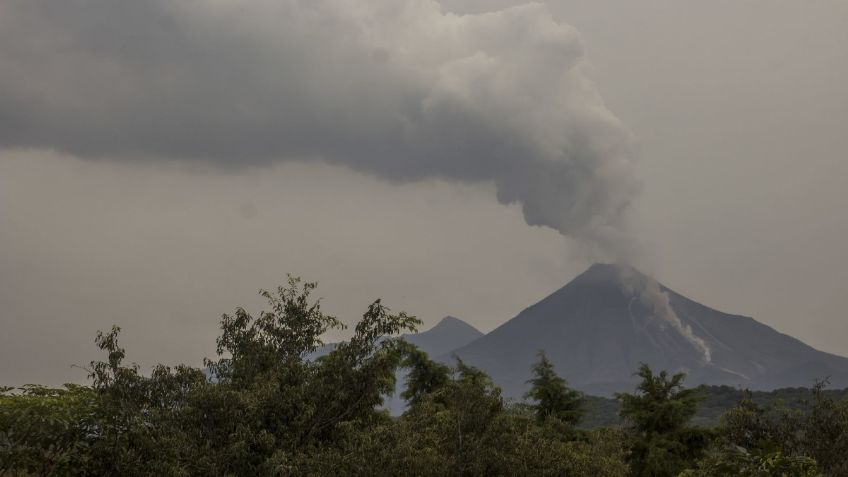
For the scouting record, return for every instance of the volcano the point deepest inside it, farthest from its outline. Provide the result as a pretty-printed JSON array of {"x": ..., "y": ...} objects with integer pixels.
[{"x": 599, "y": 327}]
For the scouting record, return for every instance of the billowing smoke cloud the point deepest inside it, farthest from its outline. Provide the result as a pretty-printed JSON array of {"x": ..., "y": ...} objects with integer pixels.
[{"x": 395, "y": 88}]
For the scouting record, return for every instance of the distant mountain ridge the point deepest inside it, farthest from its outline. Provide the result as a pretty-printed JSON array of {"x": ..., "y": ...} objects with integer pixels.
[
  {"x": 598, "y": 328},
  {"x": 448, "y": 334}
]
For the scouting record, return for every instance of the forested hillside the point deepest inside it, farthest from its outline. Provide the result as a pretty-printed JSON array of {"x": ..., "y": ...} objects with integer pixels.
[
  {"x": 268, "y": 410},
  {"x": 715, "y": 402}
]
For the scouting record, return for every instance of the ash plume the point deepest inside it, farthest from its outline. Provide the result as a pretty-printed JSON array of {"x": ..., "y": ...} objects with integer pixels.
[{"x": 394, "y": 88}]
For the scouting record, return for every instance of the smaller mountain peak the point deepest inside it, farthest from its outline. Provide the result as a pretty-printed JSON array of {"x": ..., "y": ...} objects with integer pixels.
[
  {"x": 452, "y": 323},
  {"x": 449, "y": 334},
  {"x": 450, "y": 319}
]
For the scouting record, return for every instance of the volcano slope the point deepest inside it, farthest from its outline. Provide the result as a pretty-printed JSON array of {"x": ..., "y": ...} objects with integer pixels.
[{"x": 599, "y": 327}]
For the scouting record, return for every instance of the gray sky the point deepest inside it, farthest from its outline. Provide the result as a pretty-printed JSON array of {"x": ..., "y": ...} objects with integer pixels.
[{"x": 159, "y": 163}]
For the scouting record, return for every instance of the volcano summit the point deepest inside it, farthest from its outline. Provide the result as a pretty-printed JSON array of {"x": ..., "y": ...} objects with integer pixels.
[{"x": 600, "y": 326}]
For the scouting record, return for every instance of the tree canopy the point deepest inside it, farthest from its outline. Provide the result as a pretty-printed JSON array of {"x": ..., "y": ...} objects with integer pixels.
[{"x": 553, "y": 398}]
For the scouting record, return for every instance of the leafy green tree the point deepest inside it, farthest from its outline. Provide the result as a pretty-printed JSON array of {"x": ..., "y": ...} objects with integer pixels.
[
  {"x": 752, "y": 427},
  {"x": 425, "y": 375},
  {"x": 123, "y": 424},
  {"x": 44, "y": 431},
  {"x": 737, "y": 461},
  {"x": 272, "y": 406},
  {"x": 352, "y": 380},
  {"x": 817, "y": 429},
  {"x": 662, "y": 444},
  {"x": 267, "y": 409},
  {"x": 553, "y": 398},
  {"x": 135, "y": 427},
  {"x": 517, "y": 444},
  {"x": 826, "y": 431},
  {"x": 457, "y": 418},
  {"x": 250, "y": 348}
]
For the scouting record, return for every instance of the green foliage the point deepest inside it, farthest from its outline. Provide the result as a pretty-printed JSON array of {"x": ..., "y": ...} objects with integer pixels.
[
  {"x": 464, "y": 427},
  {"x": 658, "y": 413},
  {"x": 425, "y": 375},
  {"x": 717, "y": 401},
  {"x": 737, "y": 461},
  {"x": 249, "y": 348},
  {"x": 661, "y": 404},
  {"x": 817, "y": 429},
  {"x": 273, "y": 405},
  {"x": 265, "y": 408},
  {"x": 826, "y": 431},
  {"x": 44, "y": 430},
  {"x": 553, "y": 398}
]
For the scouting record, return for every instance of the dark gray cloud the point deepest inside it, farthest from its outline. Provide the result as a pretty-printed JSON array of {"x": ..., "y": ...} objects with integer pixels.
[
  {"x": 739, "y": 107},
  {"x": 399, "y": 89}
]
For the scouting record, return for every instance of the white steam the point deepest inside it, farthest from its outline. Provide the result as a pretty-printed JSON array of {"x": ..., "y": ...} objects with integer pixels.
[{"x": 652, "y": 296}]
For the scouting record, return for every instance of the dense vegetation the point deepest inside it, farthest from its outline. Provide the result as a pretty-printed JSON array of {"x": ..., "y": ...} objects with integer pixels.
[
  {"x": 262, "y": 408},
  {"x": 714, "y": 403}
]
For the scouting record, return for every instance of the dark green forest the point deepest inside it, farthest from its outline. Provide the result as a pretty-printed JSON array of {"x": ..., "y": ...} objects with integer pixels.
[{"x": 261, "y": 407}]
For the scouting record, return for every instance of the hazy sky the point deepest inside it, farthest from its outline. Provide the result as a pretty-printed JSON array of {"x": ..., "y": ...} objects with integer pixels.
[{"x": 161, "y": 162}]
